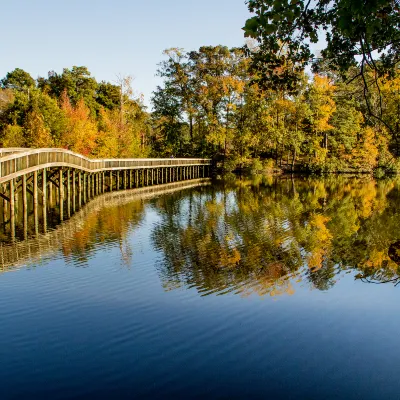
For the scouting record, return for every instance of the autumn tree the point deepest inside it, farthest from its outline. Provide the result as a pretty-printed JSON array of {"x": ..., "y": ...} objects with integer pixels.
[{"x": 81, "y": 131}]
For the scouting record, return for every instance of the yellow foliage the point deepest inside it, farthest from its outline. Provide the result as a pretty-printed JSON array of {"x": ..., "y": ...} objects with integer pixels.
[
  {"x": 13, "y": 136},
  {"x": 320, "y": 240},
  {"x": 81, "y": 132}
]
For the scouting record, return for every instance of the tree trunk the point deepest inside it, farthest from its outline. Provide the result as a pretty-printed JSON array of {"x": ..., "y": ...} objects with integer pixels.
[
  {"x": 294, "y": 158},
  {"x": 191, "y": 131}
]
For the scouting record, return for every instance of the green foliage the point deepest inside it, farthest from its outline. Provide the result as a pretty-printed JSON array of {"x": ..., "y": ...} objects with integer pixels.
[
  {"x": 354, "y": 32},
  {"x": 256, "y": 166},
  {"x": 18, "y": 80},
  {"x": 108, "y": 95},
  {"x": 71, "y": 110},
  {"x": 210, "y": 105}
]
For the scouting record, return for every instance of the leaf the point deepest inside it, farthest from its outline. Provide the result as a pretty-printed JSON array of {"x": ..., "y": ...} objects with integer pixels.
[{"x": 251, "y": 27}]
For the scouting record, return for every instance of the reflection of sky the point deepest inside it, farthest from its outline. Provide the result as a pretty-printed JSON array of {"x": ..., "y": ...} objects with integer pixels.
[
  {"x": 88, "y": 328},
  {"x": 105, "y": 328}
]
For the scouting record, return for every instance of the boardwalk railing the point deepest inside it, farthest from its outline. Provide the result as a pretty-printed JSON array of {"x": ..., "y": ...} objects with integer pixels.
[
  {"x": 58, "y": 178},
  {"x": 15, "y": 162}
]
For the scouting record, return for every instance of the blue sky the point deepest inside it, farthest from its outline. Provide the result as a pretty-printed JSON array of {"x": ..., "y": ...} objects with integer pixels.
[{"x": 113, "y": 37}]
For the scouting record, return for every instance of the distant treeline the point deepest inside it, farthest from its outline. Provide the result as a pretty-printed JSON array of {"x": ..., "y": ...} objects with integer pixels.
[{"x": 210, "y": 105}]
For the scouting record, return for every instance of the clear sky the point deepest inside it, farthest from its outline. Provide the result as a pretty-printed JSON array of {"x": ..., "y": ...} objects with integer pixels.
[{"x": 112, "y": 37}]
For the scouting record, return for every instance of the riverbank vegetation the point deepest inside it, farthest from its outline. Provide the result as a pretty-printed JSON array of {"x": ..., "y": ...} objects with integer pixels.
[{"x": 255, "y": 107}]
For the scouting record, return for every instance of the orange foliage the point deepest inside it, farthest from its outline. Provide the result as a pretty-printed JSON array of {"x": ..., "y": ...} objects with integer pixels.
[{"x": 81, "y": 132}]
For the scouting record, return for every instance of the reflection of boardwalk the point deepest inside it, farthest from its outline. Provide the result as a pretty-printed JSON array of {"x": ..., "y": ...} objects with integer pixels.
[
  {"x": 44, "y": 246},
  {"x": 45, "y": 178}
]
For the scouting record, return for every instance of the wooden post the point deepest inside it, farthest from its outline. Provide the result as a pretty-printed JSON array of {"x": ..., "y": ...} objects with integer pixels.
[
  {"x": 12, "y": 209},
  {"x": 68, "y": 193},
  {"x": 84, "y": 187},
  {"x": 4, "y": 186},
  {"x": 35, "y": 202},
  {"x": 103, "y": 181},
  {"x": 80, "y": 189},
  {"x": 97, "y": 183},
  {"x": 111, "y": 181},
  {"x": 44, "y": 201},
  {"x": 73, "y": 191},
  {"x": 4, "y": 207},
  {"x": 25, "y": 206},
  {"x": 61, "y": 191},
  {"x": 50, "y": 195}
]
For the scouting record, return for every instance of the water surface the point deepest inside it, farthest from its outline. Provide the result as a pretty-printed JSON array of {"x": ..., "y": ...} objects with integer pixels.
[{"x": 266, "y": 287}]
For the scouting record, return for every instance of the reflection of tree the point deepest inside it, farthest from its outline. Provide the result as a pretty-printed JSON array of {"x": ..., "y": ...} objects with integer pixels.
[
  {"x": 259, "y": 236},
  {"x": 106, "y": 226}
]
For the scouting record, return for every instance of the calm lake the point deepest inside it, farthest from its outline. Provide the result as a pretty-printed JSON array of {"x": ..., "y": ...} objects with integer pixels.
[{"x": 264, "y": 287}]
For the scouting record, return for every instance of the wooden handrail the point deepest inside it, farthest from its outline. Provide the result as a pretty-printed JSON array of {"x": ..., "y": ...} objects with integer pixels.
[{"x": 21, "y": 161}]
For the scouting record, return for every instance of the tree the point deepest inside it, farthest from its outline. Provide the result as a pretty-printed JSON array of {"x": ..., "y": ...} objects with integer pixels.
[
  {"x": 18, "y": 79},
  {"x": 355, "y": 33},
  {"x": 36, "y": 134},
  {"x": 81, "y": 130},
  {"x": 108, "y": 95},
  {"x": 77, "y": 82},
  {"x": 322, "y": 105}
]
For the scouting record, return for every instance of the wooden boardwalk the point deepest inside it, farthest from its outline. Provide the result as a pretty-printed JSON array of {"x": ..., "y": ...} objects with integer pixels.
[{"x": 32, "y": 181}]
